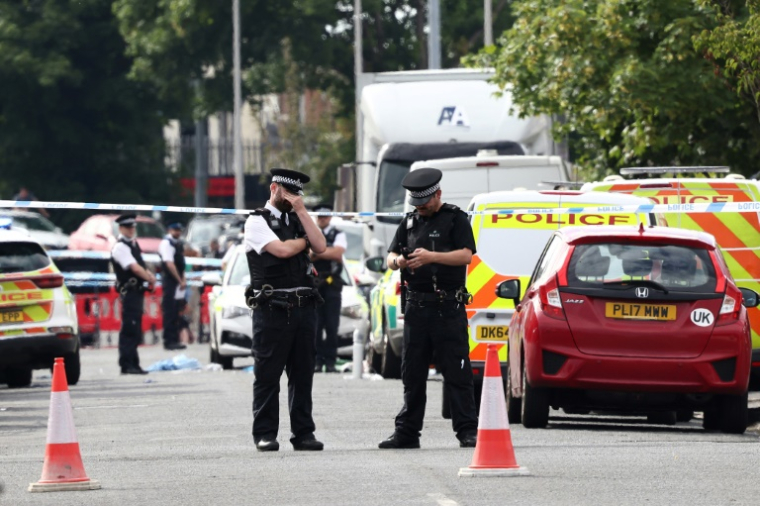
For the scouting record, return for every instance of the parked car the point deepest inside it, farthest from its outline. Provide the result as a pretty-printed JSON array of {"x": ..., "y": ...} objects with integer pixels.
[
  {"x": 100, "y": 232},
  {"x": 202, "y": 229},
  {"x": 230, "y": 326},
  {"x": 637, "y": 319},
  {"x": 364, "y": 279},
  {"x": 38, "y": 318},
  {"x": 39, "y": 228}
]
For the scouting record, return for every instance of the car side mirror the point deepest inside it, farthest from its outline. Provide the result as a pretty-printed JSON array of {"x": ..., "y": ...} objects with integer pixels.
[
  {"x": 509, "y": 289},
  {"x": 211, "y": 279},
  {"x": 376, "y": 264},
  {"x": 749, "y": 297}
]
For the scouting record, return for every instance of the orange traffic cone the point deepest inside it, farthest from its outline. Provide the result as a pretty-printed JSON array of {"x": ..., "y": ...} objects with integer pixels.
[
  {"x": 63, "y": 468},
  {"x": 494, "y": 455}
]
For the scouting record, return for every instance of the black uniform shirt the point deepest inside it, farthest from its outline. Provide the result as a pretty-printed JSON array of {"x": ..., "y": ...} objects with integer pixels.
[{"x": 448, "y": 277}]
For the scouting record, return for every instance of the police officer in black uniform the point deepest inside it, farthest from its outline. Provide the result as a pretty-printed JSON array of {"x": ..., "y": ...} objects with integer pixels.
[
  {"x": 329, "y": 267},
  {"x": 131, "y": 274},
  {"x": 172, "y": 253},
  {"x": 283, "y": 297},
  {"x": 433, "y": 246}
]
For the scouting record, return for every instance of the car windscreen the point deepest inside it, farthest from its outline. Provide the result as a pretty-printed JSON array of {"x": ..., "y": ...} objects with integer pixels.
[
  {"x": 677, "y": 268},
  {"x": 32, "y": 223},
  {"x": 390, "y": 193},
  {"x": 355, "y": 249},
  {"x": 149, "y": 230},
  {"x": 22, "y": 257},
  {"x": 201, "y": 232},
  {"x": 240, "y": 274}
]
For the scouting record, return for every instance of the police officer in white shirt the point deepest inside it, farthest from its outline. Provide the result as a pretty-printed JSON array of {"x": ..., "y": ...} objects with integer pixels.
[
  {"x": 171, "y": 251},
  {"x": 130, "y": 270}
]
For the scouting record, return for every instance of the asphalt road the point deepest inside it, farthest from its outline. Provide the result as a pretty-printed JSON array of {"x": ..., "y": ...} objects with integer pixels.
[{"x": 183, "y": 438}]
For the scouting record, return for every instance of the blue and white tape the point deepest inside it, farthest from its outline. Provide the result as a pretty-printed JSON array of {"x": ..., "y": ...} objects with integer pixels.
[
  {"x": 109, "y": 279},
  {"x": 715, "y": 207},
  {"x": 148, "y": 257}
]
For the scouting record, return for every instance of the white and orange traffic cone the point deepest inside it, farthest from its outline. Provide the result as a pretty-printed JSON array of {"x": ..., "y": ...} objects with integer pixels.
[
  {"x": 63, "y": 468},
  {"x": 494, "y": 454}
]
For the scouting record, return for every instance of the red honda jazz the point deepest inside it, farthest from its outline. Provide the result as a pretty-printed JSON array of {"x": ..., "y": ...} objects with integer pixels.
[{"x": 640, "y": 320}]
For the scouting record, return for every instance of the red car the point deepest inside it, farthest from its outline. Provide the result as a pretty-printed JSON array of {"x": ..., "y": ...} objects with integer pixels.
[
  {"x": 624, "y": 319},
  {"x": 100, "y": 232}
]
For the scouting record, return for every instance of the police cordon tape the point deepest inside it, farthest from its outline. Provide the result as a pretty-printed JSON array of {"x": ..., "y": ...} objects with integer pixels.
[
  {"x": 148, "y": 257},
  {"x": 715, "y": 207},
  {"x": 79, "y": 279}
]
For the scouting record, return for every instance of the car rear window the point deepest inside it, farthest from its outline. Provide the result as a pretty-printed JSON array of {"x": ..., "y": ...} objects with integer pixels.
[
  {"x": 677, "y": 268},
  {"x": 22, "y": 257}
]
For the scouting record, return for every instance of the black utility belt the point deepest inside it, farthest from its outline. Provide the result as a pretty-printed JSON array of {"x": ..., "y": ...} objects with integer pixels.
[
  {"x": 133, "y": 285},
  {"x": 268, "y": 296},
  {"x": 439, "y": 296}
]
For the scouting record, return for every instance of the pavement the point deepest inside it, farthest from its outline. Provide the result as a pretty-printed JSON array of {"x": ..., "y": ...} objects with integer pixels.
[{"x": 183, "y": 438}]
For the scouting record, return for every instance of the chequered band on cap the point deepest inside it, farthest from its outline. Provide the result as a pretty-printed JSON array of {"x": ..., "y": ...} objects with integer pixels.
[
  {"x": 287, "y": 180},
  {"x": 424, "y": 193}
]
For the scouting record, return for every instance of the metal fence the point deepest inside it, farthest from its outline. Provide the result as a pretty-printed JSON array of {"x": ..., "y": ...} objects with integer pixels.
[{"x": 180, "y": 156}]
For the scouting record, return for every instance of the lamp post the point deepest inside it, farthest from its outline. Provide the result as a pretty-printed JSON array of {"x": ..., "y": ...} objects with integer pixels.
[{"x": 237, "y": 151}]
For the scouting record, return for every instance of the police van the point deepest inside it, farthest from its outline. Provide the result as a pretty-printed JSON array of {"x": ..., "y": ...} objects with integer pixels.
[
  {"x": 737, "y": 233},
  {"x": 508, "y": 246}
]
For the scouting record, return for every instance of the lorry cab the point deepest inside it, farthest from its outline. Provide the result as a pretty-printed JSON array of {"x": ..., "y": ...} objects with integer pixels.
[
  {"x": 508, "y": 246},
  {"x": 737, "y": 233}
]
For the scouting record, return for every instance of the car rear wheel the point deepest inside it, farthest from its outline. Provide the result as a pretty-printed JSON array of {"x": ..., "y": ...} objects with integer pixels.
[
  {"x": 684, "y": 415},
  {"x": 514, "y": 404},
  {"x": 73, "y": 367},
  {"x": 711, "y": 419},
  {"x": 374, "y": 359},
  {"x": 662, "y": 418},
  {"x": 535, "y": 406},
  {"x": 734, "y": 414},
  {"x": 18, "y": 377},
  {"x": 390, "y": 367}
]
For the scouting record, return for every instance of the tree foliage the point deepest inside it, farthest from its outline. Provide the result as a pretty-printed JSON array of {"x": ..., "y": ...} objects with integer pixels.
[
  {"x": 627, "y": 82},
  {"x": 73, "y": 126}
]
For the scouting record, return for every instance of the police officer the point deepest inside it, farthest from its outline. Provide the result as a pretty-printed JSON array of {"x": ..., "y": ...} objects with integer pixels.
[
  {"x": 171, "y": 251},
  {"x": 131, "y": 274},
  {"x": 329, "y": 267},
  {"x": 433, "y": 245},
  {"x": 283, "y": 297}
]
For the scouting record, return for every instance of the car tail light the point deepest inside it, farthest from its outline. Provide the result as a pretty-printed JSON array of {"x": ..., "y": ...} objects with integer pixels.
[
  {"x": 54, "y": 281},
  {"x": 731, "y": 307},
  {"x": 551, "y": 304}
]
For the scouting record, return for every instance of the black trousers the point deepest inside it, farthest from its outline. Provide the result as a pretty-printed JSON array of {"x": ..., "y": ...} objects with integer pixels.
[
  {"x": 328, "y": 321},
  {"x": 130, "y": 334},
  {"x": 436, "y": 333},
  {"x": 170, "y": 312},
  {"x": 283, "y": 342}
]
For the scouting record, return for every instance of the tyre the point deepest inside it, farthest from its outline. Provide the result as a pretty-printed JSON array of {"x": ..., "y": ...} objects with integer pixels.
[
  {"x": 734, "y": 416},
  {"x": 662, "y": 418},
  {"x": 226, "y": 362},
  {"x": 213, "y": 355},
  {"x": 445, "y": 403},
  {"x": 514, "y": 404},
  {"x": 535, "y": 406},
  {"x": 73, "y": 367},
  {"x": 374, "y": 359},
  {"x": 390, "y": 366},
  {"x": 711, "y": 419},
  {"x": 18, "y": 377},
  {"x": 684, "y": 415}
]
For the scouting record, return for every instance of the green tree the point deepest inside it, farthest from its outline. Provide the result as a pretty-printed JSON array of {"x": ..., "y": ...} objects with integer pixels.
[
  {"x": 72, "y": 125},
  {"x": 626, "y": 80}
]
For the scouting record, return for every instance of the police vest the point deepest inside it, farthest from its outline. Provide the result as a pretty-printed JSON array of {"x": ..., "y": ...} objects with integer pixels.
[
  {"x": 179, "y": 261},
  {"x": 433, "y": 234},
  {"x": 267, "y": 269},
  {"x": 330, "y": 268},
  {"x": 124, "y": 275}
]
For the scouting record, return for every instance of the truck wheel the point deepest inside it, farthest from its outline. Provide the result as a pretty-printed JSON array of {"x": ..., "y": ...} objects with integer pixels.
[
  {"x": 734, "y": 414},
  {"x": 711, "y": 419},
  {"x": 535, "y": 406},
  {"x": 73, "y": 367},
  {"x": 662, "y": 418},
  {"x": 18, "y": 377},
  {"x": 445, "y": 402},
  {"x": 390, "y": 366},
  {"x": 514, "y": 404}
]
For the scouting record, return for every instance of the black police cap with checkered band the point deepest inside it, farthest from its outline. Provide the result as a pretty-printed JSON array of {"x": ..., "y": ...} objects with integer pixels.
[
  {"x": 422, "y": 185},
  {"x": 292, "y": 180}
]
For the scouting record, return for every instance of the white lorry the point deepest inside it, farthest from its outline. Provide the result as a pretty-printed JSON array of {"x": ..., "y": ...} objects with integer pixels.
[{"x": 426, "y": 115}]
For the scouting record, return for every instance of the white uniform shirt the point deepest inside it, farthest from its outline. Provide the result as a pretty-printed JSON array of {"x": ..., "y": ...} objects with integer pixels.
[
  {"x": 340, "y": 238},
  {"x": 166, "y": 250},
  {"x": 257, "y": 231},
  {"x": 122, "y": 254}
]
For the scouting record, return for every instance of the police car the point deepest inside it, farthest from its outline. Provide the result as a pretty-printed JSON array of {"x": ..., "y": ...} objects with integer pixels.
[{"x": 38, "y": 318}]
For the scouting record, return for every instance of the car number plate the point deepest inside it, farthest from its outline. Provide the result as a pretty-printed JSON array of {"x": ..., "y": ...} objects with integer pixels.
[
  {"x": 628, "y": 311},
  {"x": 492, "y": 333},
  {"x": 11, "y": 317}
]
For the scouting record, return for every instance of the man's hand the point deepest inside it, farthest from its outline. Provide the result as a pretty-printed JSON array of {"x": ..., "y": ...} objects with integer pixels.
[
  {"x": 183, "y": 283},
  {"x": 295, "y": 200},
  {"x": 418, "y": 258}
]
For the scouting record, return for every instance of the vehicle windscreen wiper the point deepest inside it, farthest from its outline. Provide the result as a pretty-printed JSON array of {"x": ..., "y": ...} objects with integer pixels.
[{"x": 637, "y": 282}]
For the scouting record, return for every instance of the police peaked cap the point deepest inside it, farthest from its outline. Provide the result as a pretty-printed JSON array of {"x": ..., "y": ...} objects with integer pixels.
[
  {"x": 322, "y": 207},
  {"x": 127, "y": 220},
  {"x": 292, "y": 180},
  {"x": 422, "y": 185},
  {"x": 175, "y": 226}
]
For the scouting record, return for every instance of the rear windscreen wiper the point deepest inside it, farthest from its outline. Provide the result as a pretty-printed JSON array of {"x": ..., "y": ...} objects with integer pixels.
[{"x": 637, "y": 282}]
